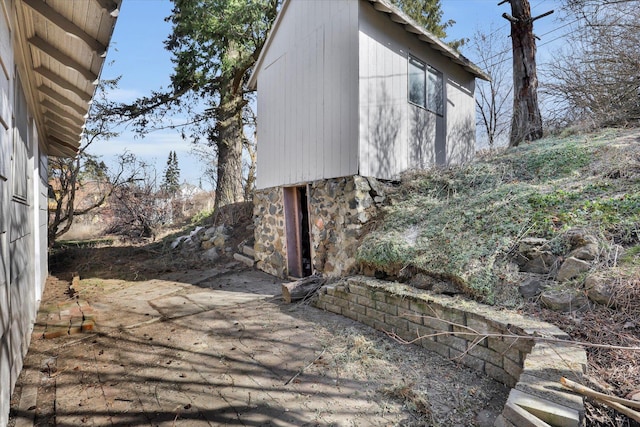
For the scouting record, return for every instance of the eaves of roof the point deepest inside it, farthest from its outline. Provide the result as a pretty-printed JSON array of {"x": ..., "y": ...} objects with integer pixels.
[
  {"x": 61, "y": 46},
  {"x": 397, "y": 16}
]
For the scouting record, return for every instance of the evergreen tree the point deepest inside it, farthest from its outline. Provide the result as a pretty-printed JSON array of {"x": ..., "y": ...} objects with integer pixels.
[
  {"x": 171, "y": 182},
  {"x": 214, "y": 45},
  {"x": 428, "y": 13}
]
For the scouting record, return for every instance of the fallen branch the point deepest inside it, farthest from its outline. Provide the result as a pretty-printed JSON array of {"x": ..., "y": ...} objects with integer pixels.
[
  {"x": 587, "y": 391},
  {"x": 306, "y": 367},
  {"x": 480, "y": 336},
  {"x": 615, "y": 402},
  {"x": 301, "y": 289}
]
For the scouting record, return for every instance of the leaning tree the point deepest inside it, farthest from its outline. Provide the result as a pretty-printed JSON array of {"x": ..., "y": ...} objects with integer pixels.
[{"x": 214, "y": 45}]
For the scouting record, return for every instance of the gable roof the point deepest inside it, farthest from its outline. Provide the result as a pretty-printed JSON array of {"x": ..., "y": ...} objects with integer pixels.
[{"x": 397, "y": 16}]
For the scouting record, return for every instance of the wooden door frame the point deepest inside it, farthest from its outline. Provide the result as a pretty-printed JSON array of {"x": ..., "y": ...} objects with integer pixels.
[{"x": 293, "y": 228}]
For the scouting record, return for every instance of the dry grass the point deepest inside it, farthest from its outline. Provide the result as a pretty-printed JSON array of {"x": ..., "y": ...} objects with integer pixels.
[
  {"x": 437, "y": 391},
  {"x": 412, "y": 399}
]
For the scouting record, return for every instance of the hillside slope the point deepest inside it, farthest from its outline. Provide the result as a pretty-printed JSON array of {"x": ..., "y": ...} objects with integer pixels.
[
  {"x": 553, "y": 224},
  {"x": 466, "y": 225}
]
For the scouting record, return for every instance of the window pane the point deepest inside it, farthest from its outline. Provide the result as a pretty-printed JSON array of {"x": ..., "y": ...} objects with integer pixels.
[
  {"x": 417, "y": 82},
  {"x": 435, "y": 92},
  {"x": 20, "y": 141}
]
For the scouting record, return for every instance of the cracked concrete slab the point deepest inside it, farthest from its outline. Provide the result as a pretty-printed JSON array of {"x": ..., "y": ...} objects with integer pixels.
[{"x": 226, "y": 352}]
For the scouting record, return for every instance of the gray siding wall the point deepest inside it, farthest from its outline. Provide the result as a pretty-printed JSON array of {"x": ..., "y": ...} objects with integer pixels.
[
  {"x": 394, "y": 135},
  {"x": 461, "y": 116},
  {"x": 308, "y": 94},
  {"x": 6, "y": 65},
  {"x": 23, "y": 203}
]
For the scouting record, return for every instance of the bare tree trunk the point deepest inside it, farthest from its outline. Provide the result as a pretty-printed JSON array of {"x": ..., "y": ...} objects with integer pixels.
[
  {"x": 229, "y": 142},
  {"x": 526, "y": 124},
  {"x": 251, "y": 174}
]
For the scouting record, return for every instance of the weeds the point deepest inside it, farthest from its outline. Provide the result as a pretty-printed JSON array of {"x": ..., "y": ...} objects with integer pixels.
[{"x": 463, "y": 221}]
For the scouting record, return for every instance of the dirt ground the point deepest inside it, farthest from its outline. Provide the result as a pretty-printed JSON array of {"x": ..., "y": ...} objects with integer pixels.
[{"x": 178, "y": 341}]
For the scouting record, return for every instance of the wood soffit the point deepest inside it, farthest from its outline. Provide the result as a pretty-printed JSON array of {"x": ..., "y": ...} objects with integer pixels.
[{"x": 64, "y": 47}]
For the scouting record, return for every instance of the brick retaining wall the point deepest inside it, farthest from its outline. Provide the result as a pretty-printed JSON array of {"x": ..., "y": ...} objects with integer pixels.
[{"x": 471, "y": 333}]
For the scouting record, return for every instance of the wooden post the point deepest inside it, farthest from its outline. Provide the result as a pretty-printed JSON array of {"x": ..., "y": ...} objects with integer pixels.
[{"x": 526, "y": 124}]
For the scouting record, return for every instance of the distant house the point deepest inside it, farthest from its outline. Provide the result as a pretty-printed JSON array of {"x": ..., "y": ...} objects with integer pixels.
[
  {"x": 348, "y": 91},
  {"x": 51, "y": 54}
]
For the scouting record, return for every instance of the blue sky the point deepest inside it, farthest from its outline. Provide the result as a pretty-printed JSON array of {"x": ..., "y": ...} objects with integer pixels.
[{"x": 137, "y": 54}]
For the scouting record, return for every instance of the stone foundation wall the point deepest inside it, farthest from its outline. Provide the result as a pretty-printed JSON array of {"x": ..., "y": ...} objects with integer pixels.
[
  {"x": 270, "y": 239},
  {"x": 338, "y": 209},
  {"x": 474, "y": 334}
]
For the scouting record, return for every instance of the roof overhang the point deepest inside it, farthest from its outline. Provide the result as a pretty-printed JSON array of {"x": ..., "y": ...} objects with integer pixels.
[
  {"x": 63, "y": 45},
  {"x": 397, "y": 16},
  {"x": 253, "y": 79}
]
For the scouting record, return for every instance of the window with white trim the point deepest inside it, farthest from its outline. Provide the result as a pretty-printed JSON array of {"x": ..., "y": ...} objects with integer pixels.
[{"x": 426, "y": 87}]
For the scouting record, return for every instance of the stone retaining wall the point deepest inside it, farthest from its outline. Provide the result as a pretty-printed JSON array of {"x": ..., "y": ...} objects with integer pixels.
[
  {"x": 338, "y": 209},
  {"x": 531, "y": 366}
]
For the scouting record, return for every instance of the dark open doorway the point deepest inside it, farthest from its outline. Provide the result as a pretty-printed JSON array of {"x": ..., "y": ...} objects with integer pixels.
[{"x": 296, "y": 213}]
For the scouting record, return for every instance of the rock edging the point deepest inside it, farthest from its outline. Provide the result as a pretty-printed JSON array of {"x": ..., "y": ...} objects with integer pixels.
[{"x": 529, "y": 364}]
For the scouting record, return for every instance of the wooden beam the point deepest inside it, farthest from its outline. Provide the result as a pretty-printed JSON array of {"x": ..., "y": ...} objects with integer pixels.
[
  {"x": 67, "y": 148},
  {"x": 65, "y": 25},
  {"x": 59, "y": 111},
  {"x": 64, "y": 84},
  {"x": 398, "y": 19},
  {"x": 62, "y": 136},
  {"x": 108, "y": 5},
  {"x": 413, "y": 30},
  {"x": 382, "y": 7},
  {"x": 72, "y": 132},
  {"x": 427, "y": 39},
  {"x": 64, "y": 121},
  {"x": 55, "y": 150},
  {"x": 65, "y": 60},
  {"x": 57, "y": 96}
]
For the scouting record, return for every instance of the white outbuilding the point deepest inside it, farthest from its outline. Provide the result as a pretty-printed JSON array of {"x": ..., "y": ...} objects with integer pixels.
[{"x": 348, "y": 90}]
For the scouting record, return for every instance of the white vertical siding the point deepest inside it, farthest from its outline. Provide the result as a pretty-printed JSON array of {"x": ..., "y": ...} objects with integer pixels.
[
  {"x": 21, "y": 279},
  {"x": 307, "y": 95},
  {"x": 461, "y": 124},
  {"x": 394, "y": 135},
  {"x": 6, "y": 66},
  {"x": 23, "y": 302},
  {"x": 384, "y": 111}
]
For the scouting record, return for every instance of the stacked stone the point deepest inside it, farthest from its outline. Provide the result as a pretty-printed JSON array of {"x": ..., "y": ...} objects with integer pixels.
[
  {"x": 338, "y": 209},
  {"x": 212, "y": 241},
  {"x": 269, "y": 231},
  {"x": 555, "y": 278}
]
